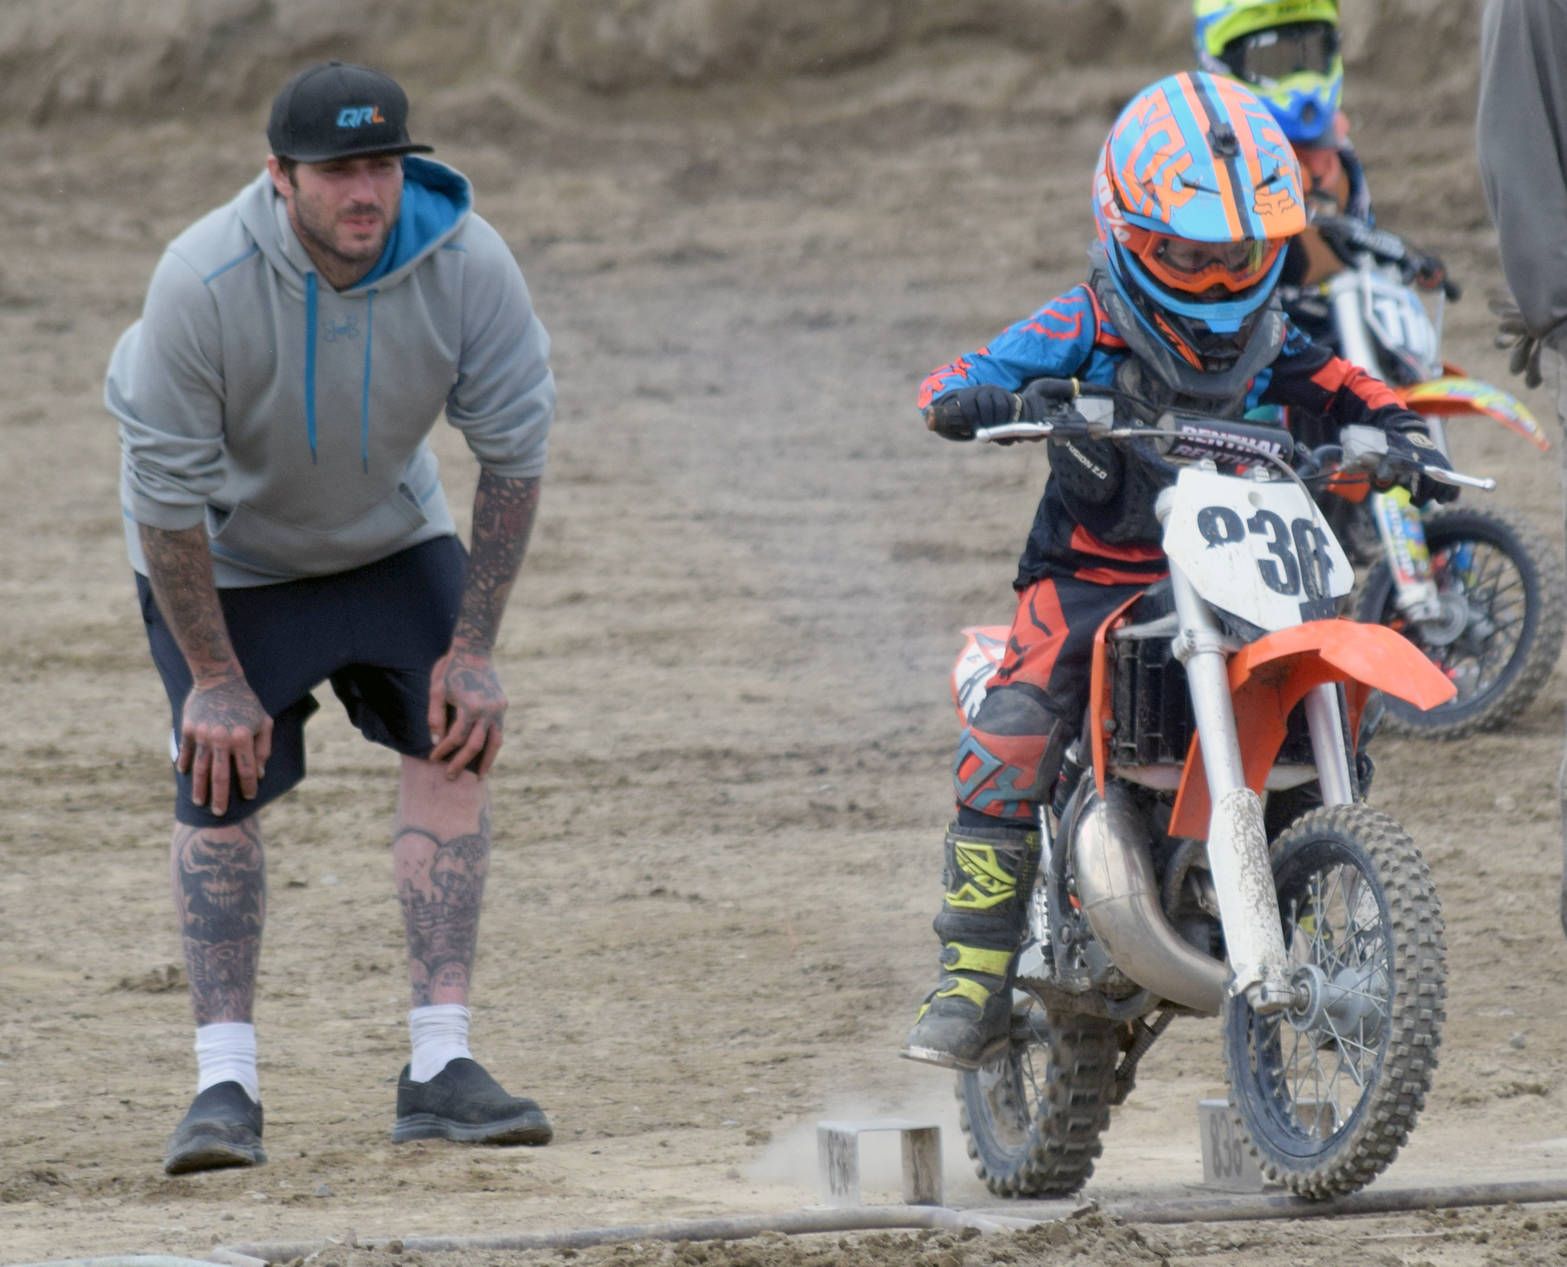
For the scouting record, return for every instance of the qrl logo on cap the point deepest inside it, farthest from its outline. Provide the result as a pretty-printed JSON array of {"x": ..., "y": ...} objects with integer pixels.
[{"x": 358, "y": 116}]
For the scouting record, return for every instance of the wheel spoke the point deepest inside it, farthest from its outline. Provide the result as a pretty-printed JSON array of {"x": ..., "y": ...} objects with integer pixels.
[{"x": 1503, "y": 593}]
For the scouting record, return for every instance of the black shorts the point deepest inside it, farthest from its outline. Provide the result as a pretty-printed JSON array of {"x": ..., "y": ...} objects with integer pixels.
[{"x": 374, "y": 633}]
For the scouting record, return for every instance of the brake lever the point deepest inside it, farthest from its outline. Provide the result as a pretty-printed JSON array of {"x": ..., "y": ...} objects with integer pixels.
[
  {"x": 1024, "y": 430},
  {"x": 1457, "y": 478}
]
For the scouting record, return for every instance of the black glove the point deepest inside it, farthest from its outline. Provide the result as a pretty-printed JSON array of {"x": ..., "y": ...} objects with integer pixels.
[
  {"x": 1407, "y": 451},
  {"x": 1429, "y": 273},
  {"x": 956, "y": 415},
  {"x": 1513, "y": 331}
]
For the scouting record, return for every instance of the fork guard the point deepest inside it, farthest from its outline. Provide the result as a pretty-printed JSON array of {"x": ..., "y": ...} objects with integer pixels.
[{"x": 1270, "y": 676}]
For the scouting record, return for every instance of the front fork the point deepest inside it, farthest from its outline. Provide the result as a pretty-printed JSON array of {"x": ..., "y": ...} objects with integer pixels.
[
  {"x": 1404, "y": 546},
  {"x": 1237, "y": 838},
  {"x": 1403, "y": 537}
]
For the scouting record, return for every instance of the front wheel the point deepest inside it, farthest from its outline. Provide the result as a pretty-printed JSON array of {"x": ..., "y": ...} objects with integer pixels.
[
  {"x": 1328, "y": 1090},
  {"x": 1033, "y": 1115},
  {"x": 1502, "y": 592}
]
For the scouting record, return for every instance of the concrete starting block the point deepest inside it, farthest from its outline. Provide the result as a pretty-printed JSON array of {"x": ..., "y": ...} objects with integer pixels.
[
  {"x": 838, "y": 1159},
  {"x": 1227, "y": 1164}
]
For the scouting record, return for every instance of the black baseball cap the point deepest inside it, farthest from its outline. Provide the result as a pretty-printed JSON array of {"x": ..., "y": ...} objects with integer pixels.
[{"x": 337, "y": 110}]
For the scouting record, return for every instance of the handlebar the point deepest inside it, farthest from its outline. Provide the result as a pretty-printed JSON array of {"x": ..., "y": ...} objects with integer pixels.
[
  {"x": 1349, "y": 238},
  {"x": 1177, "y": 436},
  {"x": 1363, "y": 451}
]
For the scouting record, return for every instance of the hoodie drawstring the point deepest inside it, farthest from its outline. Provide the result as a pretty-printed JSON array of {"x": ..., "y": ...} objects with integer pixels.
[
  {"x": 310, "y": 363},
  {"x": 311, "y": 321},
  {"x": 364, "y": 398}
]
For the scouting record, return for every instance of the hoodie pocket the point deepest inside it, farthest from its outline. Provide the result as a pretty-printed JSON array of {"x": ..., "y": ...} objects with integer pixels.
[{"x": 270, "y": 546}]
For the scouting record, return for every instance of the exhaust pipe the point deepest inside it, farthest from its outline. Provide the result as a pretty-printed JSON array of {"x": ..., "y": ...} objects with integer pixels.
[{"x": 1120, "y": 897}]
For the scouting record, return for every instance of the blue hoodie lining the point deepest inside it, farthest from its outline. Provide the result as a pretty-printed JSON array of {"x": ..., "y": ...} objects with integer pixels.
[{"x": 428, "y": 211}]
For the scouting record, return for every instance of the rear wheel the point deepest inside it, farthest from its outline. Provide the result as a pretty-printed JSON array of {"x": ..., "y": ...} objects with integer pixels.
[
  {"x": 1327, "y": 1091},
  {"x": 1033, "y": 1115},
  {"x": 1504, "y": 607}
]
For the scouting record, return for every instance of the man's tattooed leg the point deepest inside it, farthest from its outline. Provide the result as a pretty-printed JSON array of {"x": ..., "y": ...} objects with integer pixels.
[
  {"x": 440, "y": 883},
  {"x": 220, "y": 896}
]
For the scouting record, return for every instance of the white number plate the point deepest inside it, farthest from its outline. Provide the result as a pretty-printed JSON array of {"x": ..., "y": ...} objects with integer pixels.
[{"x": 1258, "y": 549}]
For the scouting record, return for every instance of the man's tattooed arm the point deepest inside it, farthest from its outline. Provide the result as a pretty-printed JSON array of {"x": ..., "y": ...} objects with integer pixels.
[
  {"x": 179, "y": 569},
  {"x": 225, "y": 733},
  {"x": 503, "y": 512},
  {"x": 467, "y": 704}
]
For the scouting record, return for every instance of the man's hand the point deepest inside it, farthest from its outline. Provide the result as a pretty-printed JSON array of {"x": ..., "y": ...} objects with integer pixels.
[
  {"x": 467, "y": 707},
  {"x": 225, "y": 735},
  {"x": 1514, "y": 332}
]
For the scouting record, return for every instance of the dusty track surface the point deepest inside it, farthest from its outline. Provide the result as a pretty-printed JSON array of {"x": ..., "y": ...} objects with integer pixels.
[{"x": 719, "y": 812}]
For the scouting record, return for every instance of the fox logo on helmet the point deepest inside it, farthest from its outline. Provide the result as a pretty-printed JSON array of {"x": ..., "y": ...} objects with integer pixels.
[{"x": 1275, "y": 203}]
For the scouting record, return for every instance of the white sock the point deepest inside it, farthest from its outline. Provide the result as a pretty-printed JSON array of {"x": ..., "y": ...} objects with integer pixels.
[
  {"x": 439, "y": 1034},
  {"x": 226, "y": 1052}
]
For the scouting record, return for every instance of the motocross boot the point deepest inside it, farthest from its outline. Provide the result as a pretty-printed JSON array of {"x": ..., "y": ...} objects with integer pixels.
[{"x": 966, "y": 1019}]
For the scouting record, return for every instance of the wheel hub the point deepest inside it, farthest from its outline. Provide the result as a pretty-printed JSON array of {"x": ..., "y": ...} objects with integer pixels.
[
  {"x": 1451, "y": 619},
  {"x": 1350, "y": 1002}
]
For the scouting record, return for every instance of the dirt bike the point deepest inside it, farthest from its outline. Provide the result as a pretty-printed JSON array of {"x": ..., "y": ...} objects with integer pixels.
[
  {"x": 1478, "y": 590},
  {"x": 1208, "y": 851}
]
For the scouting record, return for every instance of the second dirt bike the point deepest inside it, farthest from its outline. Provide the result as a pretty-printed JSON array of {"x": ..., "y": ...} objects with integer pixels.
[
  {"x": 1209, "y": 851},
  {"x": 1478, "y": 590}
]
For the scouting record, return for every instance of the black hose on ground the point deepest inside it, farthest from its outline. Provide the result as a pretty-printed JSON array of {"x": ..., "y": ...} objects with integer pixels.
[
  {"x": 1216, "y": 1209},
  {"x": 853, "y": 1219}
]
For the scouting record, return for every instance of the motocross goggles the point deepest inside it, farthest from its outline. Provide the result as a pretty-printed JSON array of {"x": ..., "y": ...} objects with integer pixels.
[
  {"x": 1198, "y": 268},
  {"x": 1267, "y": 56}
]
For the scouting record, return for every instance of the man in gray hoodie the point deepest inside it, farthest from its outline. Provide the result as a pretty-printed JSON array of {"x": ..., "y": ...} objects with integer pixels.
[
  {"x": 286, "y": 522},
  {"x": 1521, "y": 144}
]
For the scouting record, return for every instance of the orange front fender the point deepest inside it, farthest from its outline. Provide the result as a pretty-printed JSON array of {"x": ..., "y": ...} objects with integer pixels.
[{"x": 1270, "y": 676}]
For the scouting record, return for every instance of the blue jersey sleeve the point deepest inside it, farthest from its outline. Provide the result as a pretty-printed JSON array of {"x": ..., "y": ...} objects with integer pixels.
[{"x": 1057, "y": 340}]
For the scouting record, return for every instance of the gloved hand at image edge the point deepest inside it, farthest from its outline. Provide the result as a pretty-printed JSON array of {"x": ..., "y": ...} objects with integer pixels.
[{"x": 1513, "y": 332}]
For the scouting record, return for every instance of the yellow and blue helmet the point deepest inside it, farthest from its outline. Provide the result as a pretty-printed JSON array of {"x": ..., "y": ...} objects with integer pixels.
[
  {"x": 1287, "y": 51},
  {"x": 1196, "y": 193}
]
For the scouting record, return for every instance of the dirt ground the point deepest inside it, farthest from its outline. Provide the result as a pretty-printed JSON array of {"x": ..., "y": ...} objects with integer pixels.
[{"x": 719, "y": 813}]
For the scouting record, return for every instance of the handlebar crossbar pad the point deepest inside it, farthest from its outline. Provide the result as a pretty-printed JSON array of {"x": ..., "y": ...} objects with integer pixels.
[{"x": 1192, "y": 436}]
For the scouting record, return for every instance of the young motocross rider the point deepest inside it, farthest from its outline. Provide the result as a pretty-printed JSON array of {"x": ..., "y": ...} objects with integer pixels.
[
  {"x": 1195, "y": 194},
  {"x": 1288, "y": 53}
]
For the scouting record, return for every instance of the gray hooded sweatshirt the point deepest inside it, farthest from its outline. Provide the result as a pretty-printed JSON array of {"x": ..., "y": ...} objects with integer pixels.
[
  {"x": 294, "y": 418},
  {"x": 1521, "y": 140}
]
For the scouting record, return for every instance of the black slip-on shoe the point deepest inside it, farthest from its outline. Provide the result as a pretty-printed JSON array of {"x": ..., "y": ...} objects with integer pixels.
[
  {"x": 463, "y": 1102},
  {"x": 222, "y": 1127}
]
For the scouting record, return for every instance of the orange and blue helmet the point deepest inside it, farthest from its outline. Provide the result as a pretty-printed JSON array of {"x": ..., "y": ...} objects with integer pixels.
[
  {"x": 1196, "y": 193},
  {"x": 1286, "y": 51}
]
